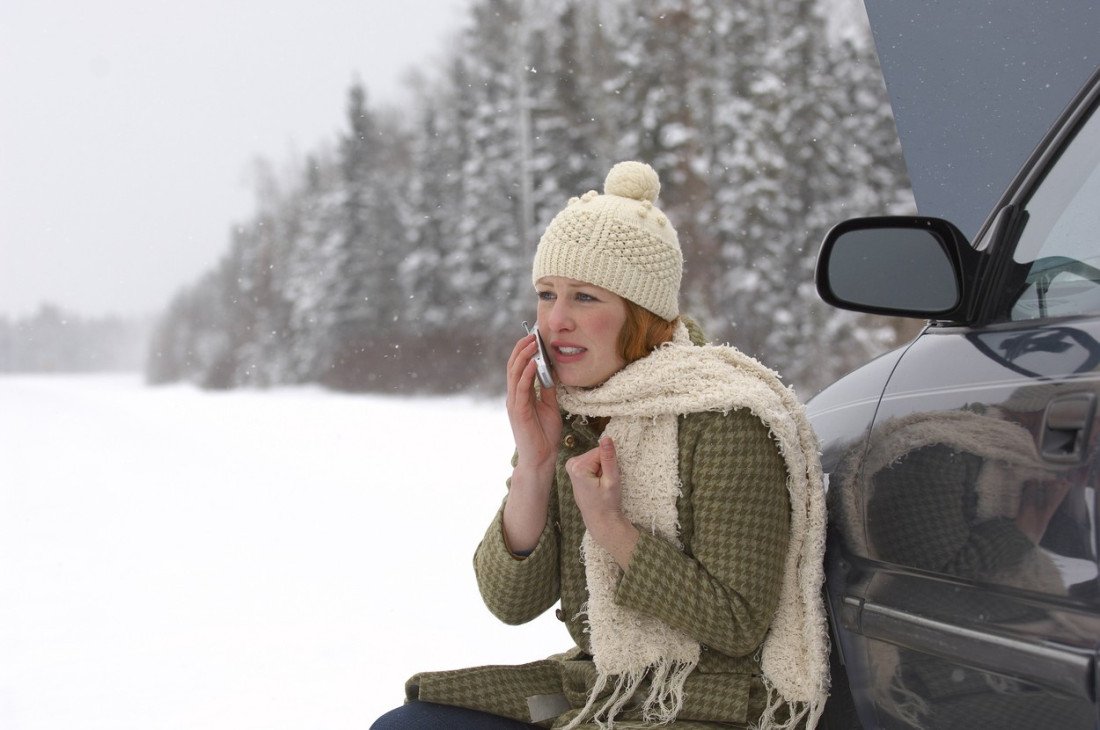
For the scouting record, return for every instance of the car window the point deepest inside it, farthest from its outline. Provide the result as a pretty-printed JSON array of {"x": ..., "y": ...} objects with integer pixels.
[{"x": 1060, "y": 244}]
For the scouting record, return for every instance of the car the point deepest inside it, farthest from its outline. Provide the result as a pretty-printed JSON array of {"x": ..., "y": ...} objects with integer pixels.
[{"x": 962, "y": 574}]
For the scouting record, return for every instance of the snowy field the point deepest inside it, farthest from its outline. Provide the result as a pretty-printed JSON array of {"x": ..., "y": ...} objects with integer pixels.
[{"x": 171, "y": 558}]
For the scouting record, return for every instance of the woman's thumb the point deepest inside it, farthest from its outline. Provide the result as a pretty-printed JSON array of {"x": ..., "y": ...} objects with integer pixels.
[{"x": 609, "y": 460}]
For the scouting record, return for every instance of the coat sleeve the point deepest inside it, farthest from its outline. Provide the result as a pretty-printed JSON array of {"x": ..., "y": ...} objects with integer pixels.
[
  {"x": 517, "y": 590},
  {"x": 723, "y": 588}
]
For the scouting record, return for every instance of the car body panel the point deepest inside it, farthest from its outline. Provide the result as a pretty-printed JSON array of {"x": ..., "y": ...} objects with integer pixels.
[
  {"x": 974, "y": 85},
  {"x": 962, "y": 470},
  {"x": 945, "y": 619}
]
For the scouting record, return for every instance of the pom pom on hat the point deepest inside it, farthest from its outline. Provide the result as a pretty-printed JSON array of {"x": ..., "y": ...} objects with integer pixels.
[
  {"x": 633, "y": 180},
  {"x": 619, "y": 241}
]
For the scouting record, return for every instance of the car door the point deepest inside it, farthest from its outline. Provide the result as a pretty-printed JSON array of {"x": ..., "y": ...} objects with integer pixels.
[{"x": 965, "y": 591}]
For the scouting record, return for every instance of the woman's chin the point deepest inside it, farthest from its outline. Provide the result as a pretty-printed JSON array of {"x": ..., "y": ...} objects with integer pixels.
[
  {"x": 572, "y": 382},
  {"x": 581, "y": 382}
]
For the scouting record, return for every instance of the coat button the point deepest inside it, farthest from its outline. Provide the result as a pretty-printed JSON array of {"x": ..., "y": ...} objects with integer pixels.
[
  {"x": 569, "y": 441},
  {"x": 559, "y": 615}
]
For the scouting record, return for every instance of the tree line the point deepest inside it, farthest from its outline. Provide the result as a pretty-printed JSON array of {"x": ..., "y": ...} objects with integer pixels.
[
  {"x": 398, "y": 259},
  {"x": 53, "y": 340}
]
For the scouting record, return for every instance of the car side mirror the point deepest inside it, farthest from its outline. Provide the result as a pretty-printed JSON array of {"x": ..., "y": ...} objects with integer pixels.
[{"x": 900, "y": 266}]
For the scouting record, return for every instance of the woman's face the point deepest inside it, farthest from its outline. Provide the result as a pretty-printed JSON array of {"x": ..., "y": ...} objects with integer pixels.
[{"x": 580, "y": 324}]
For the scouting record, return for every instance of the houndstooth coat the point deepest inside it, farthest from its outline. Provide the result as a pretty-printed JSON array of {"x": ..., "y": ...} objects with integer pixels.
[{"x": 721, "y": 589}]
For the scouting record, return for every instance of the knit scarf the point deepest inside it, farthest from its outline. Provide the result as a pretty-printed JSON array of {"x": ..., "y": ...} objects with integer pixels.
[{"x": 643, "y": 401}]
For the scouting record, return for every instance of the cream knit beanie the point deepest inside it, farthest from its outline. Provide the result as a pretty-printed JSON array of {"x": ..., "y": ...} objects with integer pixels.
[{"x": 619, "y": 241}]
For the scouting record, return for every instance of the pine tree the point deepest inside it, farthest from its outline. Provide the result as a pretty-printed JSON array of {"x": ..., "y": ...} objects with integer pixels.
[
  {"x": 403, "y": 255},
  {"x": 433, "y": 344}
]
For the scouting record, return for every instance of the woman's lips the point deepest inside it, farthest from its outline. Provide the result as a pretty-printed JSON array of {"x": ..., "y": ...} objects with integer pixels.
[{"x": 568, "y": 353}]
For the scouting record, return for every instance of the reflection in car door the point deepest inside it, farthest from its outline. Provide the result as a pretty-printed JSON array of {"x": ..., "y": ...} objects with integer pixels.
[
  {"x": 971, "y": 508},
  {"x": 979, "y": 601}
]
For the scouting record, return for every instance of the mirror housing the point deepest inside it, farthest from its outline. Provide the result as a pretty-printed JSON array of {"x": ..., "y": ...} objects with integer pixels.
[{"x": 901, "y": 266}]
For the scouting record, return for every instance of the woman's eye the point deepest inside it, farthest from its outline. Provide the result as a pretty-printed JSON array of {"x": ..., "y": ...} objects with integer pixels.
[
  {"x": 582, "y": 296},
  {"x": 546, "y": 296}
]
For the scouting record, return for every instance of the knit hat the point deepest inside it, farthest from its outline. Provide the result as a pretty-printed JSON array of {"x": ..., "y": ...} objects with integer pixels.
[{"x": 619, "y": 241}]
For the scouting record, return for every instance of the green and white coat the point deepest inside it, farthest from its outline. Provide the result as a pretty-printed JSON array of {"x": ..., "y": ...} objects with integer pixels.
[{"x": 721, "y": 588}]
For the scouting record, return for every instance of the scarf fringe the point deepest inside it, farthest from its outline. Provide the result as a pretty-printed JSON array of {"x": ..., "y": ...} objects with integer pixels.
[
  {"x": 800, "y": 714},
  {"x": 667, "y": 692},
  {"x": 660, "y": 707}
]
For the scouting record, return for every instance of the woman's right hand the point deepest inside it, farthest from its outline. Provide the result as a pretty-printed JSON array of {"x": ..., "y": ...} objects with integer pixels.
[
  {"x": 536, "y": 427},
  {"x": 535, "y": 419}
]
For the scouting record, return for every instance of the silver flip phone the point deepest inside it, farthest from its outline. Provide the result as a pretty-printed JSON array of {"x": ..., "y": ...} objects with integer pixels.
[{"x": 542, "y": 360}]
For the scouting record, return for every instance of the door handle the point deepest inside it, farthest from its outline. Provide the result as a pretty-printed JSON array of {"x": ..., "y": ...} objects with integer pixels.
[{"x": 1067, "y": 424}]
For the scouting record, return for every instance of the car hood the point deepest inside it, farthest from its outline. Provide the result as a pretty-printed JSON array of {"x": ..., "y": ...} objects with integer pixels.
[{"x": 974, "y": 84}]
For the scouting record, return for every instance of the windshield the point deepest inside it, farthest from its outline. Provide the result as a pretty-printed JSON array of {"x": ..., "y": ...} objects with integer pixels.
[{"x": 1059, "y": 244}]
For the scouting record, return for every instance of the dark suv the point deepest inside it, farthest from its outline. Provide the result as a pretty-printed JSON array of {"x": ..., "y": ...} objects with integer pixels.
[{"x": 962, "y": 572}]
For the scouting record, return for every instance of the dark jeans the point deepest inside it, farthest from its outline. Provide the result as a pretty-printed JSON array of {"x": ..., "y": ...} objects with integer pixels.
[{"x": 430, "y": 716}]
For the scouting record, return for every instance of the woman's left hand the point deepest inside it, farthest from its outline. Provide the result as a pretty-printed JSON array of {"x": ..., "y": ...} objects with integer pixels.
[{"x": 597, "y": 491}]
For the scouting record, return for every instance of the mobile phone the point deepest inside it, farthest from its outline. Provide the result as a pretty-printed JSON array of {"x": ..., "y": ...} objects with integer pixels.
[{"x": 542, "y": 360}]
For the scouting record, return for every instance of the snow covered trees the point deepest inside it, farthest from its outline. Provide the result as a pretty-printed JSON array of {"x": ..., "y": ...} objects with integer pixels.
[{"x": 401, "y": 259}]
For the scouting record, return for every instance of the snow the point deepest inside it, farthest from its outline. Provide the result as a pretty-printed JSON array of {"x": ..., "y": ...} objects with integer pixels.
[{"x": 172, "y": 558}]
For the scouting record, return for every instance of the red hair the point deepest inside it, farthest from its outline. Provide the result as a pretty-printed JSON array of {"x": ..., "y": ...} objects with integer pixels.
[{"x": 642, "y": 332}]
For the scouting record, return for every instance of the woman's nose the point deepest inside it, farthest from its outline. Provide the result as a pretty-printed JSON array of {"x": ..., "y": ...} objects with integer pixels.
[{"x": 558, "y": 318}]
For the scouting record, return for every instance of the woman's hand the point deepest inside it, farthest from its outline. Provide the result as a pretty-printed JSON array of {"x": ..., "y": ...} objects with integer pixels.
[
  {"x": 535, "y": 419},
  {"x": 598, "y": 493},
  {"x": 536, "y": 428}
]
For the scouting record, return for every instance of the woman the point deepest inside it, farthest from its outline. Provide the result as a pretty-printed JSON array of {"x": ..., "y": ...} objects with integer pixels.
[{"x": 667, "y": 493}]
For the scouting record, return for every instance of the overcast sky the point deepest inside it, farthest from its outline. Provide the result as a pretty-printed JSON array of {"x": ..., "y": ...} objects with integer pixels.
[{"x": 128, "y": 128}]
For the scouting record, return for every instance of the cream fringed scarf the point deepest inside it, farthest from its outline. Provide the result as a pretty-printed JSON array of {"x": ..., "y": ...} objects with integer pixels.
[{"x": 643, "y": 401}]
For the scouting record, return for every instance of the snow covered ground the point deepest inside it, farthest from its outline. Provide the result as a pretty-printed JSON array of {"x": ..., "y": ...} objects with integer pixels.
[{"x": 171, "y": 558}]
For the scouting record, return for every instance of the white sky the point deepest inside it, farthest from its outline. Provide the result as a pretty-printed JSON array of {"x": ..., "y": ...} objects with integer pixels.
[{"x": 128, "y": 128}]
